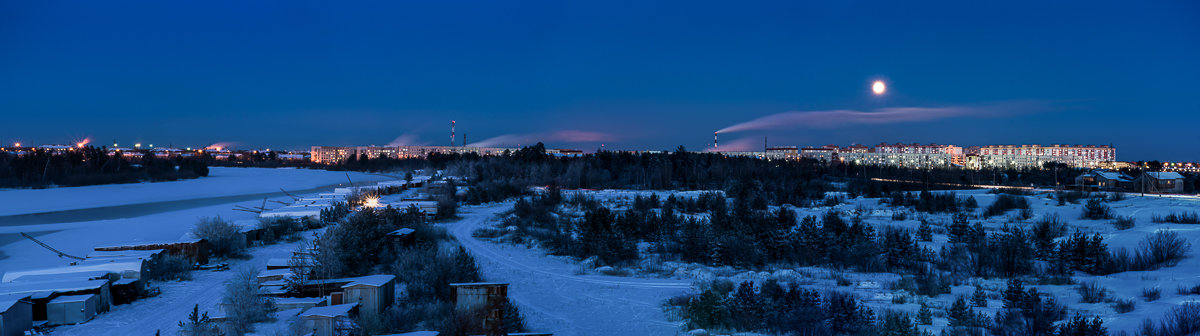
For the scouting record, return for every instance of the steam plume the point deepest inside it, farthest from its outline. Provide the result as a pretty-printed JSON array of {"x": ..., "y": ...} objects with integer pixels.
[
  {"x": 562, "y": 136},
  {"x": 837, "y": 118}
]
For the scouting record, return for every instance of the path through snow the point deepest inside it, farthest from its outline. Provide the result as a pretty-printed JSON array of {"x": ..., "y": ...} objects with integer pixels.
[{"x": 554, "y": 298}]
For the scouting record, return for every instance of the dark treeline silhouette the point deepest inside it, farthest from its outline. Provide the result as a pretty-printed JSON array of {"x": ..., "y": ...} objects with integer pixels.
[{"x": 91, "y": 166}]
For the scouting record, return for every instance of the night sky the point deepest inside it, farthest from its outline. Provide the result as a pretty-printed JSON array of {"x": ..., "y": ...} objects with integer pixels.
[{"x": 629, "y": 74}]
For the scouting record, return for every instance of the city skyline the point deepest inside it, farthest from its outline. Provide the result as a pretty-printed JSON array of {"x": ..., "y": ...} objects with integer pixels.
[{"x": 630, "y": 76}]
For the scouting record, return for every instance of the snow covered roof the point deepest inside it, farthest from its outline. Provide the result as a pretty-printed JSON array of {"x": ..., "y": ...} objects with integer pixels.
[
  {"x": 299, "y": 300},
  {"x": 370, "y": 280},
  {"x": 52, "y": 274},
  {"x": 7, "y": 301},
  {"x": 72, "y": 298},
  {"x": 402, "y": 232},
  {"x": 278, "y": 262},
  {"x": 1165, "y": 175},
  {"x": 1108, "y": 175},
  {"x": 468, "y": 284},
  {"x": 329, "y": 311},
  {"x": 44, "y": 289},
  {"x": 275, "y": 272},
  {"x": 417, "y": 333}
]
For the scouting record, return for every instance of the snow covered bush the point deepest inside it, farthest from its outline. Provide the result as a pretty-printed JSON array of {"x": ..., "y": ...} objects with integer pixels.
[
  {"x": 1096, "y": 209},
  {"x": 1178, "y": 218},
  {"x": 172, "y": 267},
  {"x": 1151, "y": 294},
  {"x": 1180, "y": 321},
  {"x": 1004, "y": 203},
  {"x": 1091, "y": 292},
  {"x": 1124, "y": 222},
  {"x": 198, "y": 324},
  {"x": 224, "y": 238},
  {"x": 1122, "y": 306},
  {"x": 244, "y": 302},
  {"x": 1163, "y": 248}
]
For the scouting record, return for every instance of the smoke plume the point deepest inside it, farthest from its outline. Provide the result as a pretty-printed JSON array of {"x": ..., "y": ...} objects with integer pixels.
[
  {"x": 559, "y": 136},
  {"x": 406, "y": 140},
  {"x": 838, "y": 118}
]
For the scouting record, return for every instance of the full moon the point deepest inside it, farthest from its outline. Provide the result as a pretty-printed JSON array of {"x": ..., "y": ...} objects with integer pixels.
[{"x": 878, "y": 87}]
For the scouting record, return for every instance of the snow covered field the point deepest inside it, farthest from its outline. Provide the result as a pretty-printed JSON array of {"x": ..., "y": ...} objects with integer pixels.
[
  {"x": 873, "y": 288},
  {"x": 222, "y": 181},
  {"x": 78, "y": 238}
]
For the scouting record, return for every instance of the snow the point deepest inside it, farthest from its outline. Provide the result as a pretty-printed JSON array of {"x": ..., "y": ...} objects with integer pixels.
[
  {"x": 553, "y": 298},
  {"x": 222, "y": 181},
  {"x": 72, "y": 298},
  {"x": 370, "y": 280},
  {"x": 329, "y": 311}
]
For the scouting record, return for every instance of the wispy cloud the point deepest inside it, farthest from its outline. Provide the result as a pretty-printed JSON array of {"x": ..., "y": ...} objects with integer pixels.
[
  {"x": 560, "y": 136},
  {"x": 838, "y": 118}
]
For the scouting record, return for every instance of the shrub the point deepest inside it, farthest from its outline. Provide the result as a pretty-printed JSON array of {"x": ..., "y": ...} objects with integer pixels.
[
  {"x": 224, "y": 238},
  {"x": 1163, "y": 248},
  {"x": 198, "y": 324},
  {"x": 1194, "y": 290},
  {"x": 1072, "y": 197},
  {"x": 245, "y": 303},
  {"x": 1116, "y": 197},
  {"x": 1004, "y": 203},
  {"x": 1178, "y": 218},
  {"x": 899, "y": 215},
  {"x": 1124, "y": 305},
  {"x": 1091, "y": 292},
  {"x": 1151, "y": 294},
  {"x": 1123, "y": 222},
  {"x": 1182, "y": 320},
  {"x": 1081, "y": 326},
  {"x": 1096, "y": 209},
  {"x": 172, "y": 267}
]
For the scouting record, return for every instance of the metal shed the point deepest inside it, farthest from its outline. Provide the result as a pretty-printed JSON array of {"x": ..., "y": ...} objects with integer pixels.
[
  {"x": 71, "y": 309},
  {"x": 16, "y": 315}
]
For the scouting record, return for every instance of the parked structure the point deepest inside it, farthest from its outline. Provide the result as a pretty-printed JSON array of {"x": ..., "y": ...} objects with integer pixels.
[
  {"x": 330, "y": 320},
  {"x": 1159, "y": 182},
  {"x": 1104, "y": 180},
  {"x": 16, "y": 315},
  {"x": 71, "y": 309}
]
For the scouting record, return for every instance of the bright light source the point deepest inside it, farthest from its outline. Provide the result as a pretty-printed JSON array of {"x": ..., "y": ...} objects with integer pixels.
[
  {"x": 371, "y": 202},
  {"x": 17, "y": 144},
  {"x": 879, "y": 87}
]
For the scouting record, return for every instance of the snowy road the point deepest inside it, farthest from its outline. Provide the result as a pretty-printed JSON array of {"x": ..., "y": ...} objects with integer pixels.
[{"x": 554, "y": 298}]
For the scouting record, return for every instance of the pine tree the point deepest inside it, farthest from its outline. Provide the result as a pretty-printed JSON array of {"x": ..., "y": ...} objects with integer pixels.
[
  {"x": 924, "y": 316},
  {"x": 924, "y": 232},
  {"x": 979, "y": 298},
  {"x": 960, "y": 314}
]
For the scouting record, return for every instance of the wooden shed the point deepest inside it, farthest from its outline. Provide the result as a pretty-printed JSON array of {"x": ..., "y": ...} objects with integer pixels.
[
  {"x": 485, "y": 298},
  {"x": 71, "y": 309},
  {"x": 330, "y": 320},
  {"x": 195, "y": 249},
  {"x": 373, "y": 293}
]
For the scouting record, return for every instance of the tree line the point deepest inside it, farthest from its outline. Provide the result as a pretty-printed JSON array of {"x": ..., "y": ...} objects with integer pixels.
[{"x": 92, "y": 166}]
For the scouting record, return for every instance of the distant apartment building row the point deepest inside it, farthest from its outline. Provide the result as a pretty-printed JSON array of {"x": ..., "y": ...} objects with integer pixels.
[
  {"x": 935, "y": 155},
  {"x": 333, "y": 154}
]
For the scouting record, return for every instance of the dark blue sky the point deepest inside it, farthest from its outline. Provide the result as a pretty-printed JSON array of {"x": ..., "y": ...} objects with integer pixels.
[{"x": 290, "y": 74}]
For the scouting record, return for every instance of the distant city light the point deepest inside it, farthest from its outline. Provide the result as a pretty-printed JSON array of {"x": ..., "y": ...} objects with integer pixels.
[
  {"x": 138, "y": 145},
  {"x": 18, "y": 144},
  {"x": 879, "y": 87}
]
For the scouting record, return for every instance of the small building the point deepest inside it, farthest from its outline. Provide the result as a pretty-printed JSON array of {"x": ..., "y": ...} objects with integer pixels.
[
  {"x": 373, "y": 293},
  {"x": 71, "y": 309},
  {"x": 1104, "y": 180},
  {"x": 278, "y": 263},
  {"x": 16, "y": 315},
  {"x": 489, "y": 298},
  {"x": 1165, "y": 182},
  {"x": 402, "y": 236},
  {"x": 42, "y": 292},
  {"x": 330, "y": 320}
]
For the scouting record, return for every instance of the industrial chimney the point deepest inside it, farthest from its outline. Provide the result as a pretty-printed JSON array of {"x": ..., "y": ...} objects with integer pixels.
[
  {"x": 715, "y": 148},
  {"x": 452, "y": 133}
]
